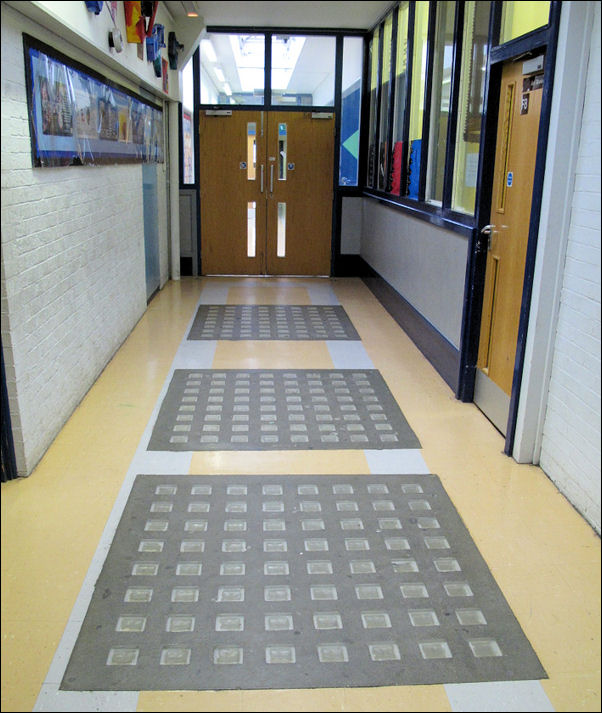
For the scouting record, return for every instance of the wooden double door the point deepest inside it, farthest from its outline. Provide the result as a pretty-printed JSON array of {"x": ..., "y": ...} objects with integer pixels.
[{"x": 266, "y": 182}]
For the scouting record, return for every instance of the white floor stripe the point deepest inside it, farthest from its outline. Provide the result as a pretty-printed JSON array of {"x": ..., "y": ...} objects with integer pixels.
[
  {"x": 498, "y": 696},
  {"x": 402, "y": 461},
  {"x": 349, "y": 355}
]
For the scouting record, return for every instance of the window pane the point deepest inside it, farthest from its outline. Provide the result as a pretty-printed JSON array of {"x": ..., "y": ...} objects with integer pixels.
[
  {"x": 441, "y": 92},
  {"x": 303, "y": 70},
  {"x": 353, "y": 49},
  {"x": 401, "y": 91},
  {"x": 187, "y": 133},
  {"x": 417, "y": 98},
  {"x": 518, "y": 18},
  {"x": 383, "y": 132},
  {"x": 470, "y": 105},
  {"x": 232, "y": 69},
  {"x": 373, "y": 59}
]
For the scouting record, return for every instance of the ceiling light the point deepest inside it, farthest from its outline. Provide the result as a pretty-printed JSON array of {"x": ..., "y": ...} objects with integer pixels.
[
  {"x": 219, "y": 74},
  {"x": 190, "y": 8},
  {"x": 207, "y": 48},
  {"x": 227, "y": 89}
]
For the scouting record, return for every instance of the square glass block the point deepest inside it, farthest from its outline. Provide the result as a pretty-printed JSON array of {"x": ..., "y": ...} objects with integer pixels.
[
  {"x": 179, "y": 624},
  {"x": 310, "y": 506},
  {"x": 309, "y": 525},
  {"x": 231, "y": 594},
  {"x": 227, "y": 655},
  {"x": 175, "y": 656},
  {"x": 319, "y": 567},
  {"x": 195, "y": 526},
  {"x": 161, "y": 507},
  {"x": 131, "y": 623},
  {"x": 471, "y": 617},
  {"x": 404, "y": 566},
  {"x": 482, "y": 648},
  {"x": 277, "y": 593},
  {"x": 229, "y": 622},
  {"x": 276, "y": 568},
  {"x": 185, "y": 594},
  {"x": 156, "y": 526},
  {"x": 274, "y": 525},
  {"x": 447, "y": 564},
  {"x": 166, "y": 489},
  {"x": 376, "y": 620},
  {"x": 151, "y": 546},
  {"x": 145, "y": 569},
  {"x": 436, "y": 543},
  {"x": 397, "y": 543},
  {"x": 274, "y": 546},
  {"x": 272, "y": 489},
  {"x": 138, "y": 594},
  {"x": 377, "y": 489},
  {"x": 362, "y": 567},
  {"x": 383, "y": 505},
  {"x": 273, "y": 506},
  {"x": 342, "y": 489},
  {"x": 458, "y": 589},
  {"x": 278, "y": 622},
  {"x": 423, "y": 617},
  {"x": 239, "y": 507},
  {"x": 316, "y": 545},
  {"x": 352, "y": 523},
  {"x": 389, "y": 523},
  {"x": 414, "y": 591},
  {"x": 384, "y": 651},
  {"x": 332, "y": 653},
  {"x": 428, "y": 523},
  {"x": 189, "y": 569},
  {"x": 199, "y": 507},
  {"x": 192, "y": 546},
  {"x": 328, "y": 620},
  {"x": 368, "y": 591},
  {"x": 201, "y": 490},
  {"x": 323, "y": 591},
  {"x": 411, "y": 488},
  {"x": 347, "y": 506},
  {"x": 354, "y": 544},
  {"x": 122, "y": 657},
  {"x": 280, "y": 654},
  {"x": 235, "y": 526},
  {"x": 307, "y": 490},
  {"x": 435, "y": 650},
  {"x": 236, "y": 490},
  {"x": 234, "y": 546}
]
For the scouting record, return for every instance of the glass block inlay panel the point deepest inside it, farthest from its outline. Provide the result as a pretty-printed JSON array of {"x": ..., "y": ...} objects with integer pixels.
[
  {"x": 282, "y": 410},
  {"x": 295, "y": 611}
]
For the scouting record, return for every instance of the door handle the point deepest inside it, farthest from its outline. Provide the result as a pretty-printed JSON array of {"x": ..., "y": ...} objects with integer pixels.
[
  {"x": 271, "y": 179},
  {"x": 261, "y": 180},
  {"x": 487, "y": 229}
]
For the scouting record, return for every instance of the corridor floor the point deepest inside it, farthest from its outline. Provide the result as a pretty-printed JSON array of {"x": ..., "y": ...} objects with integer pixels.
[{"x": 58, "y": 525}]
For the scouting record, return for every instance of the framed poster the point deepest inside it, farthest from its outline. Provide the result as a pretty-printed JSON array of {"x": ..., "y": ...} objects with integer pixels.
[{"x": 78, "y": 117}]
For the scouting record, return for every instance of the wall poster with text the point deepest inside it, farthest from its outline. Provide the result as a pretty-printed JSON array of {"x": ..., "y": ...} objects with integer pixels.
[{"x": 78, "y": 117}]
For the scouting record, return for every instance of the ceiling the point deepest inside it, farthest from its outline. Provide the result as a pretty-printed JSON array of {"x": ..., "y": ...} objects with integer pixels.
[{"x": 332, "y": 15}]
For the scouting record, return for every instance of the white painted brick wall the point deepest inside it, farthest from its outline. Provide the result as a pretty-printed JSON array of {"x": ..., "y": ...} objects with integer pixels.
[
  {"x": 73, "y": 278},
  {"x": 570, "y": 452}
]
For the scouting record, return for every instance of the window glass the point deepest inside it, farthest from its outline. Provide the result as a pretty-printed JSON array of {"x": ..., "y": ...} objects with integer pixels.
[
  {"x": 470, "y": 105},
  {"x": 353, "y": 49},
  {"x": 417, "y": 96},
  {"x": 232, "y": 69},
  {"x": 440, "y": 98},
  {"x": 401, "y": 91},
  {"x": 373, "y": 59},
  {"x": 303, "y": 70},
  {"x": 187, "y": 119},
  {"x": 383, "y": 130},
  {"x": 518, "y": 18}
]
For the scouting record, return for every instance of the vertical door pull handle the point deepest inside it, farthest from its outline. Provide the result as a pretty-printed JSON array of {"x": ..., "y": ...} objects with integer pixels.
[
  {"x": 261, "y": 180},
  {"x": 271, "y": 178}
]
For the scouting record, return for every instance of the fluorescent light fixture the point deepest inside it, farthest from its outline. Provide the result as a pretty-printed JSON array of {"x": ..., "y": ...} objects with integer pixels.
[
  {"x": 219, "y": 74},
  {"x": 208, "y": 50},
  {"x": 227, "y": 89},
  {"x": 190, "y": 8}
]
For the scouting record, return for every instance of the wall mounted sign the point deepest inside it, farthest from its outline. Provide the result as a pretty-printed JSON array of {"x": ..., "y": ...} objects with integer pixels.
[{"x": 78, "y": 117}]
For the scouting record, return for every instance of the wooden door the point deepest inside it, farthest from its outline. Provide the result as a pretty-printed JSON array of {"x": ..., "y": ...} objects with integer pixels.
[
  {"x": 514, "y": 172},
  {"x": 266, "y": 193},
  {"x": 232, "y": 202},
  {"x": 300, "y": 174}
]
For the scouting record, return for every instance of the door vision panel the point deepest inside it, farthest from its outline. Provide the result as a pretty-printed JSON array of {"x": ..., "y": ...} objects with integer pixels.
[{"x": 266, "y": 193}]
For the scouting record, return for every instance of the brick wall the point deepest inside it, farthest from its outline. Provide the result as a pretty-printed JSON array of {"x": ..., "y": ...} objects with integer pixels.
[
  {"x": 570, "y": 452},
  {"x": 73, "y": 278}
]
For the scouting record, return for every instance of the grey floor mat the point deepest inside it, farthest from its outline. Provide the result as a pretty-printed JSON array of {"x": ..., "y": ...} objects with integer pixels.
[
  {"x": 296, "y": 322},
  {"x": 246, "y": 582},
  {"x": 258, "y": 409}
]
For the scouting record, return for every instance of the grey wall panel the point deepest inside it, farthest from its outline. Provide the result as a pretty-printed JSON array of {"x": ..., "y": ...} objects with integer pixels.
[{"x": 424, "y": 263}]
